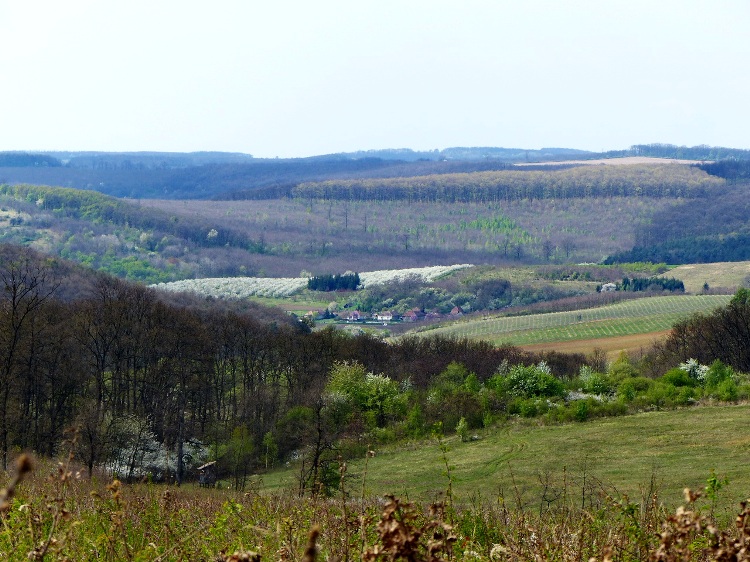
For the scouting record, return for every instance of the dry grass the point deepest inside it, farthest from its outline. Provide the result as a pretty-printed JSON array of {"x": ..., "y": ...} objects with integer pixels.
[
  {"x": 64, "y": 518},
  {"x": 719, "y": 275},
  {"x": 630, "y": 344}
]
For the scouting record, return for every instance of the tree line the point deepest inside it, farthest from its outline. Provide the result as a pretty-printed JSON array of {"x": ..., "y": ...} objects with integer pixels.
[
  {"x": 720, "y": 335},
  {"x": 334, "y": 282},
  {"x": 667, "y": 180},
  {"x": 651, "y": 284},
  {"x": 131, "y": 369}
]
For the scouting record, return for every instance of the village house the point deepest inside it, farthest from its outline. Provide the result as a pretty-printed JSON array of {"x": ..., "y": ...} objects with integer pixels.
[
  {"x": 410, "y": 316},
  {"x": 353, "y": 316},
  {"x": 385, "y": 316}
]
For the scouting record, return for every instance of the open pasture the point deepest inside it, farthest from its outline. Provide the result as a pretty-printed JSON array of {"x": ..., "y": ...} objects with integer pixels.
[
  {"x": 719, "y": 275},
  {"x": 639, "y": 316},
  {"x": 679, "y": 448}
]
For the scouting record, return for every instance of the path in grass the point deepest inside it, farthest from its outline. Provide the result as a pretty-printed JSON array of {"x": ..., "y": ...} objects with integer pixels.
[
  {"x": 680, "y": 448},
  {"x": 639, "y": 316}
]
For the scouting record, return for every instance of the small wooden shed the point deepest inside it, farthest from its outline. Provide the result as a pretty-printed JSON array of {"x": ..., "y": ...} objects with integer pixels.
[{"x": 207, "y": 475}]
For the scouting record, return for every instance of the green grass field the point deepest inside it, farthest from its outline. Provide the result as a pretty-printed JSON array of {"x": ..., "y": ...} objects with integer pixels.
[
  {"x": 620, "y": 455},
  {"x": 638, "y": 316}
]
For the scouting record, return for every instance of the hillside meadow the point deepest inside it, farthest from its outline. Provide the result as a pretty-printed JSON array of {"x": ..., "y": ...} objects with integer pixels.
[
  {"x": 600, "y": 490},
  {"x": 521, "y": 461},
  {"x": 517, "y": 460},
  {"x": 719, "y": 275}
]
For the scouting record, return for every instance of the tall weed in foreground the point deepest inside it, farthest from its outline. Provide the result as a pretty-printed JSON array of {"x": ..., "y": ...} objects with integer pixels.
[{"x": 64, "y": 517}]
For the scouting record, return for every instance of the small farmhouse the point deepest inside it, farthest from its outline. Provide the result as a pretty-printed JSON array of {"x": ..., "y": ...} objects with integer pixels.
[
  {"x": 410, "y": 316},
  {"x": 383, "y": 316},
  {"x": 353, "y": 316}
]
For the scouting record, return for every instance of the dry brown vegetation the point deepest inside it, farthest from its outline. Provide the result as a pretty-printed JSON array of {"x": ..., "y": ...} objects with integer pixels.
[
  {"x": 634, "y": 344},
  {"x": 61, "y": 517},
  {"x": 719, "y": 275}
]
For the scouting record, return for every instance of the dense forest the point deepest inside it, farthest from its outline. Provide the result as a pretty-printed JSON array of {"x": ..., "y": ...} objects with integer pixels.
[{"x": 695, "y": 231}]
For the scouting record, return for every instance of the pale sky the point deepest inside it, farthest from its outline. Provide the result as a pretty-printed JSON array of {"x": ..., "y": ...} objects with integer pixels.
[{"x": 300, "y": 78}]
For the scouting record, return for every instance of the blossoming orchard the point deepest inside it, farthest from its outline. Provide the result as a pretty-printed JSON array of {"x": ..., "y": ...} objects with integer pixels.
[{"x": 244, "y": 287}]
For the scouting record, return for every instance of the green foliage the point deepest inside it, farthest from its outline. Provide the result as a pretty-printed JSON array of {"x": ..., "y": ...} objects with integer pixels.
[
  {"x": 622, "y": 368},
  {"x": 651, "y": 284},
  {"x": 726, "y": 391},
  {"x": 462, "y": 430},
  {"x": 678, "y": 377},
  {"x": 377, "y": 397},
  {"x": 532, "y": 381},
  {"x": 336, "y": 282},
  {"x": 415, "y": 421},
  {"x": 270, "y": 450},
  {"x": 238, "y": 455},
  {"x": 717, "y": 373}
]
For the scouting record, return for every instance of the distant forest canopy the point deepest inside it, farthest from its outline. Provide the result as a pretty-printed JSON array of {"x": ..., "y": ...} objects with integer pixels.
[
  {"x": 24, "y": 160},
  {"x": 700, "y": 152},
  {"x": 731, "y": 170},
  {"x": 222, "y": 175},
  {"x": 665, "y": 180},
  {"x": 695, "y": 231}
]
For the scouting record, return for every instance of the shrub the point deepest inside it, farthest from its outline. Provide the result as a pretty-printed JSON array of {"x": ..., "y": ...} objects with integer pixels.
[
  {"x": 581, "y": 410},
  {"x": 679, "y": 377},
  {"x": 622, "y": 368},
  {"x": 533, "y": 380},
  {"x": 717, "y": 373},
  {"x": 599, "y": 383},
  {"x": 695, "y": 370},
  {"x": 726, "y": 391},
  {"x": 462, "y": 429},
  {"x": 661, "y": 394},
  {"x": 632, "y": 387}
]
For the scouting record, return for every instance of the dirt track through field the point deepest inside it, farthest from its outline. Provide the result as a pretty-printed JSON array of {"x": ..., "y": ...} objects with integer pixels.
[{"x": 611, "y": 346}]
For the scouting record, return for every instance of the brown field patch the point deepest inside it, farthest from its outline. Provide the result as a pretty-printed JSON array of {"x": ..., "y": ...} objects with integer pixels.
[
  {"x": 718, "y": 275},
  {"x": 611, "y": 346}
]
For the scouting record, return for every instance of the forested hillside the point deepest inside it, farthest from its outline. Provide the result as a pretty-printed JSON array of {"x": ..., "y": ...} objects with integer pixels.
[
  {"x": 143, "y": 375},
  {"x": 669, "y": 180},
  {"x": 703, "y": 230}
]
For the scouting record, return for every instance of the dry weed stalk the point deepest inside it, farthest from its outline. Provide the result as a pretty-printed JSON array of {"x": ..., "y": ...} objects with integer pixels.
[
  {"x": 688, "y": 535},
  {"x": 23, "y": 467},
  {"x": 401, "y": 538}
]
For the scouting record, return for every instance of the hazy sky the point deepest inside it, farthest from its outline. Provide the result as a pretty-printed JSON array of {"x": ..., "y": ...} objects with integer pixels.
[{"x": 297, "y": 78}]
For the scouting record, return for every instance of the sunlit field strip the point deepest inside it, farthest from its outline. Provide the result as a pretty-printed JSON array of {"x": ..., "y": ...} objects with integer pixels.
[{"x": 624, "y": 318}]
